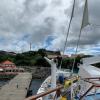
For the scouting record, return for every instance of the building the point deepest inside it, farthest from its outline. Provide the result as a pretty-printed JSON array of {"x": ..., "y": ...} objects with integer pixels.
[
  {"x": 9, "y": 68},
  {"x": 7, "y": 64}
]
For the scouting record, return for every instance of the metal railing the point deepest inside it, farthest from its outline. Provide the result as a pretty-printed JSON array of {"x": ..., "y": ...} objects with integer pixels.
[
  {"x": 89, "y": 80},
  {"x": 44, "y": 93}
]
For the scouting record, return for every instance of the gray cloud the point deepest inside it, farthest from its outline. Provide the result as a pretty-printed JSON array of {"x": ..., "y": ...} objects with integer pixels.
[
  {"x": 34, "y": 7},
  {"x": 90, "y": 34},
  {"x": 38, "y": 19},
  {"x": 41, "y": 32},
  {"x": 56, "y": 3}
]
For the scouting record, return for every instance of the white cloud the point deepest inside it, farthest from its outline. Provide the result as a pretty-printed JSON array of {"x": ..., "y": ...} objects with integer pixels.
[{"x": 38, "y": 19}]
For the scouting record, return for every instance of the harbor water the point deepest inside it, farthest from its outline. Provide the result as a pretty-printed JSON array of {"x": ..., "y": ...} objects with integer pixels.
[
  {"x": 35, "y": 84},
  {"x": 3, "y": 82}
]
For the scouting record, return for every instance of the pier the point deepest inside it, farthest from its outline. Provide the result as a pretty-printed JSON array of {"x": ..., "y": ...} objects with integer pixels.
[{"x": 17, "y": 88}]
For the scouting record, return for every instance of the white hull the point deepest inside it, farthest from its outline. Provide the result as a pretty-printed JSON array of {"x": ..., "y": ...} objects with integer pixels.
[
  {"x": 44, "y": 86},
  {"x": 85, "y": 70}
]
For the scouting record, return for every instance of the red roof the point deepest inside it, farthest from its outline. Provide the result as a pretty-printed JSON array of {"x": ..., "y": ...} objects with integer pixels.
[{"x": 7, "y": 62}]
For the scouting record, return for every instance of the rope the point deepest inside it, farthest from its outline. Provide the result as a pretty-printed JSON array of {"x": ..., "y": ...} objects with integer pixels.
[
  {"x": 95, "y": 25},
  {"x": 66, "y": 40},
  {"x": 95, "y": 92},
  {"x": 76, "y": 51},
  {"x": 98, "y": 26},
  {"x": 79, "y": 36}
]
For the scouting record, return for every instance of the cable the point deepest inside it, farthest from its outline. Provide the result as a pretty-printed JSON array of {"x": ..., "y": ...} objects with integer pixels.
[
  {"x": 68, "y": 31},
  {"x": 95, "y": 25}
]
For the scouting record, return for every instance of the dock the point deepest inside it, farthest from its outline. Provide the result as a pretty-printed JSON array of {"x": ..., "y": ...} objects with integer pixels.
[{"x": 17, "y": 88}]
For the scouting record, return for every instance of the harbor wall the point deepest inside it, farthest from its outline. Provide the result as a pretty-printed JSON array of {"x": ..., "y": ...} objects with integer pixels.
[{"x": 37, "y": 71}]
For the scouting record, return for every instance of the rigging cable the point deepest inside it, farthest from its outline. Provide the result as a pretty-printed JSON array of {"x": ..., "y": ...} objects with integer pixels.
[
  {"x": 76, "y": 51},
  {"x": 84, "y": 24},
  {"x": 72, "y": 13},
  {"x": 95, "y": 25}
]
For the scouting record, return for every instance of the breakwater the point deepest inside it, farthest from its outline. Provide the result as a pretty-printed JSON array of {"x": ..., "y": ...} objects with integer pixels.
[{"x": 17, "y": 88}]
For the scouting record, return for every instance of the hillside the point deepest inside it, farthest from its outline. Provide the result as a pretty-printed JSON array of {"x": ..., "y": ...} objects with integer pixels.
[{"x": 35, "y": 58}]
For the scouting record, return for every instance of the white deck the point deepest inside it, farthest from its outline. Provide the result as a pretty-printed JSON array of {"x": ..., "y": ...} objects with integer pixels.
[
  {"x": 87, "y": 70},
  {"x": 91, "y": 60}
]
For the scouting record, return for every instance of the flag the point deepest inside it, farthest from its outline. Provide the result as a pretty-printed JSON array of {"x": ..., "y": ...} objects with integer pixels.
[
  {"x": 72, "y": 14},
  {"x": 85, "y": 20}
]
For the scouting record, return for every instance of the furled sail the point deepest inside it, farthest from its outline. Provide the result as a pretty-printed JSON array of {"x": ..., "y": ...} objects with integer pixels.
[{"x": 85, "y": 20}]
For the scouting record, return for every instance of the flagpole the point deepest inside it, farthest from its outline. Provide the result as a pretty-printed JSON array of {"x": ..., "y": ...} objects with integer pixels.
[{"x": 30, "y": 46}]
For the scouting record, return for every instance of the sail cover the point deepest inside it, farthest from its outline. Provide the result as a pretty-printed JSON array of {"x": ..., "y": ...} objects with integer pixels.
[{"x": 85, "y": 20}]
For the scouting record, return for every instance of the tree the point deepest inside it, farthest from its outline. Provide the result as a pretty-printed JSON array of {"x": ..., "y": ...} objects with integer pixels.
[
  {"x": 42, "y": 52},
  {"x": 42, "y": 62}
]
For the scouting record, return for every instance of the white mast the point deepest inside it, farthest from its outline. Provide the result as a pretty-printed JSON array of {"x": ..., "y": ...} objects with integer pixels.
[{"x": 53, "y": 72}]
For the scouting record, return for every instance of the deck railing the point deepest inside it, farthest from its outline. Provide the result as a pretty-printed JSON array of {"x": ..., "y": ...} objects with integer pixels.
[
  {"x": 44, "y": 93},
  {"x": 89, "y": 80}
]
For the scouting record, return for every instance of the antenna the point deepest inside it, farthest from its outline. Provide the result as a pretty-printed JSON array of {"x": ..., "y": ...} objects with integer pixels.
[{"x": 30, "y": 46}]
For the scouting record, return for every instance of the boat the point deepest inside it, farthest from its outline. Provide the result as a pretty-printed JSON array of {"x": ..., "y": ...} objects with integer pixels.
[
  {"x": 83, "y": 86},
  {"x": 53, "y": 80}
]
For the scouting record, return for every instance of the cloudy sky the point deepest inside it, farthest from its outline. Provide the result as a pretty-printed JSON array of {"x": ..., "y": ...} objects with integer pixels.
[{"x": 43, "y": 23}]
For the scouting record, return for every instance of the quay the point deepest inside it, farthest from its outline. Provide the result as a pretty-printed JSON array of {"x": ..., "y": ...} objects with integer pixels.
[{"x": 17, "y": 88}]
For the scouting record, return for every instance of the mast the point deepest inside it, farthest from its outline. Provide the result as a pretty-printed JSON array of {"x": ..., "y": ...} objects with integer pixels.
[{"x": 53, "y": 72}]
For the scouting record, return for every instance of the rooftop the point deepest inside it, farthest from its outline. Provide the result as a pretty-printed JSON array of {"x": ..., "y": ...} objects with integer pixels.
[{"x": 7, "y": 62}]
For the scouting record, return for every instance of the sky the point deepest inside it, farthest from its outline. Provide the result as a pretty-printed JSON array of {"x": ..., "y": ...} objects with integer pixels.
[{"x": 44, "y": 23}]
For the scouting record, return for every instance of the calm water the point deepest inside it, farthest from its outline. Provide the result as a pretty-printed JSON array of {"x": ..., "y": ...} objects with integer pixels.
[
  {"x": 36, "y": 83},
  {"x": 3, "y": 82}
]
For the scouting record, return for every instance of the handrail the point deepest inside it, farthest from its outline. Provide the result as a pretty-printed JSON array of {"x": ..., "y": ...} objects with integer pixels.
[
  {"x": 86, "y": 92},
  {"x": 94, "y": 84},
  {"x": 89, "y": 80},
  {"x": 44, "y": 93},
  {"x": 92, "y": 78}
]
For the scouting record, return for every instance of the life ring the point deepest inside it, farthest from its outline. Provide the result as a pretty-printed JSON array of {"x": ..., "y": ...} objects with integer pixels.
[
  {"x": 63, "y": 98},
  {"x": 67, "y": 83}
]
